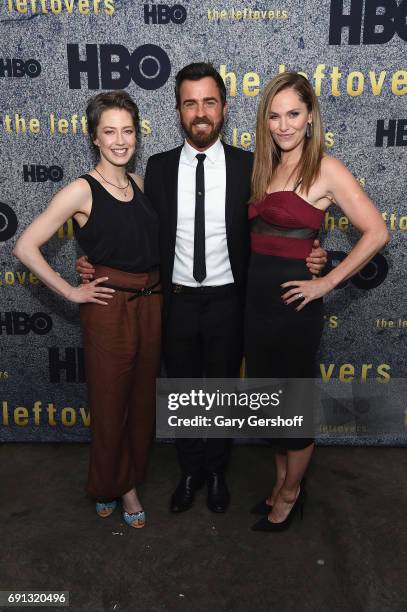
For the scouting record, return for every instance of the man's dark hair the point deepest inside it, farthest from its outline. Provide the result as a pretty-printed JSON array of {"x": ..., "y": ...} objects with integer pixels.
[
  {"x": 105, "y": 101},
  {"x": 196, "y": 72}
]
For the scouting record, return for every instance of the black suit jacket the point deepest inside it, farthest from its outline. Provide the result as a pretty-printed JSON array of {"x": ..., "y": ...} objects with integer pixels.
[{"x": 161, "y": 187}]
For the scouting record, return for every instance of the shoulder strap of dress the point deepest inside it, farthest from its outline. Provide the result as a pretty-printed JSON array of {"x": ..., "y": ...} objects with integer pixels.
[
  {"x": 89, "y": 179},
  {"x": 93, "y": 184}
]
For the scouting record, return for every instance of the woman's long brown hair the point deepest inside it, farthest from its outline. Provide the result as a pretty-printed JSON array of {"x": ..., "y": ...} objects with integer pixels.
[{"x": 268, "y": 156}]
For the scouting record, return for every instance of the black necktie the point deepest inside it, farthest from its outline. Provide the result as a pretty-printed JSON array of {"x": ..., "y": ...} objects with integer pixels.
[{"x": 199, "y": 233}]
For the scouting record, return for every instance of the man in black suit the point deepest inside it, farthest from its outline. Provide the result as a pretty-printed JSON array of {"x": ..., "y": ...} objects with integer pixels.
[
  {"x": 203, "y": 297},
  {"x": 200, "y": 191}
]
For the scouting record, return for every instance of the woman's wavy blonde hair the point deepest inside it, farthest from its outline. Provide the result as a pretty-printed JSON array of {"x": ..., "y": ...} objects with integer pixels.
[{"x": 268, "y": 156}]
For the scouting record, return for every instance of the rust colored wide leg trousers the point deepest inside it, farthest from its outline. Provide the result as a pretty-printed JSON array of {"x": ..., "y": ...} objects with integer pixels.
[{"x": 122, "y": 344}]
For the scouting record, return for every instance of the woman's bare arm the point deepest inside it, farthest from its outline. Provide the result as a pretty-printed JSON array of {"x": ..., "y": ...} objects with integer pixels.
[{"x": 66, "y": 203}]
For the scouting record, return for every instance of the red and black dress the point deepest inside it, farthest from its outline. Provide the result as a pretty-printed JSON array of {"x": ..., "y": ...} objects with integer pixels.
[{"x": 279, "y": 341}]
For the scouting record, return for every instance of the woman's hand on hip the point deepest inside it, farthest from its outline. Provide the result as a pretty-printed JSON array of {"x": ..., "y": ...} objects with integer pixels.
[
  {"x": 91, "y": 292},
  {"x": 306, "y": 291}
]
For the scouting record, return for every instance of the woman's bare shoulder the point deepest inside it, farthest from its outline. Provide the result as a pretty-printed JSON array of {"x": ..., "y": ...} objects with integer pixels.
[
  {"x": 75, "y": 195},
  {"x": 79, "y": 187},
  {"x": 331, "y": 164}
]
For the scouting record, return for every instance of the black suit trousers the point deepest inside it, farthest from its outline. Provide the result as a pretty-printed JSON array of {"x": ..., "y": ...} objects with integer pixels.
[{"x": 203, "y": 336}]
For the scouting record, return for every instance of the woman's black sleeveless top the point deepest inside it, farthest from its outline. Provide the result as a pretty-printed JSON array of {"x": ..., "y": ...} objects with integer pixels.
[{"x": 121, "y": 235}]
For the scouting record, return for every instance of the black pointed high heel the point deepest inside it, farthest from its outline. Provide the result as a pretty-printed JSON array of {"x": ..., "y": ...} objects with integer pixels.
[
  {"x": 267, "y": 526},
  {"x": 262, "y": 507}
]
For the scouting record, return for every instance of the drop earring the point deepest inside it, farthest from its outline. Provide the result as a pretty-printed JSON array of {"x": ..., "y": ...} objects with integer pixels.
[{"x": 308, "y": 131}]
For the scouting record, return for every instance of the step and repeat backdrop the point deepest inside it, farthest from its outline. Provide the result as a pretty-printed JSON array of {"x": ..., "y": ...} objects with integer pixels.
[{"x": 55, "y": 54}]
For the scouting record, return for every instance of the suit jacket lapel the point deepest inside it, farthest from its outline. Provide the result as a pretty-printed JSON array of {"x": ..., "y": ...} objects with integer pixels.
[
  {"x": 232, "y": 185},
  {"x": 172, "y": 192}
]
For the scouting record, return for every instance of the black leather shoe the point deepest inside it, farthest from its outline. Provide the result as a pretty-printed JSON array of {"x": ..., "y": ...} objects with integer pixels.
[
  {"x": 183, "y": 496},
  {"x": 218, "y": 494}
]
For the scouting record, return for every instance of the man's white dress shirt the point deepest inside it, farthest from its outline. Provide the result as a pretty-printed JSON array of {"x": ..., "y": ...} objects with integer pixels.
[{"x": 218, "y": 269}]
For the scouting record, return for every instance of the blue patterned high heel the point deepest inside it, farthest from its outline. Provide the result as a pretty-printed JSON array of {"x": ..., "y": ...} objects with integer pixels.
[
  {"x": 105, "y": 509},
  {"x": 136, "y": 519}
]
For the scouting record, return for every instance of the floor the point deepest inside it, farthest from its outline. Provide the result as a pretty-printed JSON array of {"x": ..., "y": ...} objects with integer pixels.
[{"x": 349, "y": 552}]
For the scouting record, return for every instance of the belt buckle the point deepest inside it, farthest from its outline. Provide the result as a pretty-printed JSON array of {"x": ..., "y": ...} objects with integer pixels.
[{"x": 145, "y": 291}]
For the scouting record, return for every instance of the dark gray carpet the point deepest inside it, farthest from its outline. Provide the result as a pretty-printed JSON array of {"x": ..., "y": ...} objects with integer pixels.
[{"x": 349, "y": 552}]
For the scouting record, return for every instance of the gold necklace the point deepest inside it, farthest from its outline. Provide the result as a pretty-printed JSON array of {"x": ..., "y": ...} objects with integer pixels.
[{"x": 124, "y": 189}]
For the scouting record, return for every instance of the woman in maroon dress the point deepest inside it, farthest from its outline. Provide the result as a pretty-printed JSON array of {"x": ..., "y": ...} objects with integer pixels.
[{"x": 293, "y": 184}]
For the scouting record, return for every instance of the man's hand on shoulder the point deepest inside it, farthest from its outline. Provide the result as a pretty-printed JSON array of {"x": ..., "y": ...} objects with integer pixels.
[
  {"x": 317, "y": 259},
  {"x": 85, "y": 269}
]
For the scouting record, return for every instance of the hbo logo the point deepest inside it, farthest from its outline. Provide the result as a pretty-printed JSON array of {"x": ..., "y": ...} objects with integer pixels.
[
  {"x": 148, "y": 66},
  {"x": 378, "y": 27},
  {"x": 20, "y": 323},
  {"x": 163, "y": 14},
  {"x": 8, "y": 222},
  {"x": 40, "y": 174},
  {"x": 369, "y": 277},
  {"x": 19, "y": 68}
]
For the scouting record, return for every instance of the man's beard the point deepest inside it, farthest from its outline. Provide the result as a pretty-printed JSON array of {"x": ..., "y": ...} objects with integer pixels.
[{"x": 204, "y": 139}]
